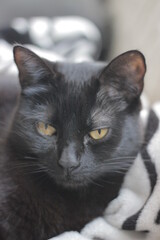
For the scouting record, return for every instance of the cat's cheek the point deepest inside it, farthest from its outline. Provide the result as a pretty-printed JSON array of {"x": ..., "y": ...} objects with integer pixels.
[{"x": 45, "y": 145}]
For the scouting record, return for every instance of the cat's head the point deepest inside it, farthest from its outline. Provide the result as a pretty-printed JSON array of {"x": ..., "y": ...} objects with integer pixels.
[{"x": 77, "y": 122}]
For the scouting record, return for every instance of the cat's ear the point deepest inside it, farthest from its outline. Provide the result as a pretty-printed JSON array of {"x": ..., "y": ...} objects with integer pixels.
[
  {"x": 125, "y": 75},
  {"x": 30, "y": 66}
]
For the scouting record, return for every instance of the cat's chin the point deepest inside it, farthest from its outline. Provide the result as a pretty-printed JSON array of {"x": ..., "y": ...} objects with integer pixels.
[{"x": 72, "y": 183}]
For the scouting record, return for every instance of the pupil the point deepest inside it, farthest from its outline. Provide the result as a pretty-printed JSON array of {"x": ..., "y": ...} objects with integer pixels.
[{"x": 99, "y": 131}]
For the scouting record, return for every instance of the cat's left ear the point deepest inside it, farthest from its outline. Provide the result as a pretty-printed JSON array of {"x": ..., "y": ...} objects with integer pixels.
[
  {"x": 31, "y": 67},
  {"x": 124, "y": 75}
]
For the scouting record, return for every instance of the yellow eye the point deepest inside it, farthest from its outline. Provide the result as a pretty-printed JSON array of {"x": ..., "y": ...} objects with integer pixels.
[
  {"x": 45, "y": 129},
  {"x": 99, "y": 133}
]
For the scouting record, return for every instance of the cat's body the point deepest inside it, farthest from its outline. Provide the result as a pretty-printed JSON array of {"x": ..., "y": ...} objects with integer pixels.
[{"x": 51, "y": 183}]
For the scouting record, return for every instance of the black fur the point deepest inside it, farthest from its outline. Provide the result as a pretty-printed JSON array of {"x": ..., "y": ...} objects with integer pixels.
[{"x": 41, "y": 197}]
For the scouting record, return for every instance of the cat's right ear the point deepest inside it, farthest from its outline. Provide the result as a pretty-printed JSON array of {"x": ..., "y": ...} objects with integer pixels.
[{"x": 31, "y": 67}]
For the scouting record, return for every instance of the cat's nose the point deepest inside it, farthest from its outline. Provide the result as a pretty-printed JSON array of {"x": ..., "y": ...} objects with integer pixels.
[{"x": 68, "y": 158}]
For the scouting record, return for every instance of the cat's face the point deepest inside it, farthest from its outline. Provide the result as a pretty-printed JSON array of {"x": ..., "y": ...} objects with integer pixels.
[{"x": 77, "y": 122}]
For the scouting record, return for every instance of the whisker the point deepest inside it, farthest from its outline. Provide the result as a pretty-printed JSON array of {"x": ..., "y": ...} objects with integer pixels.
[{"x": 93, "y": 181}]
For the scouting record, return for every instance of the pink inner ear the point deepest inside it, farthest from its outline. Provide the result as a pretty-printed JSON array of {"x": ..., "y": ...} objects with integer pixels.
[
  {"x": 20, "y": 55},
  {"x": 17, "y": 55},
  {"x": 136, "y": 65}
]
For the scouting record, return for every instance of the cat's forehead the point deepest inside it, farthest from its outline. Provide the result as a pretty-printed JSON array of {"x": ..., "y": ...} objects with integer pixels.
[{"x": 80, "y": 72}]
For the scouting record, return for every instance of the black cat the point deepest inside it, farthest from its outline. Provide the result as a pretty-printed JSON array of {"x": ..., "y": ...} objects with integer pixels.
[{"x": 75, "y": 132}]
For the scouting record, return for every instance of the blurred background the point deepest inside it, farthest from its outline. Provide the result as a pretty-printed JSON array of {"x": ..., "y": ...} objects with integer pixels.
[{"x": 124, "y": 25}]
